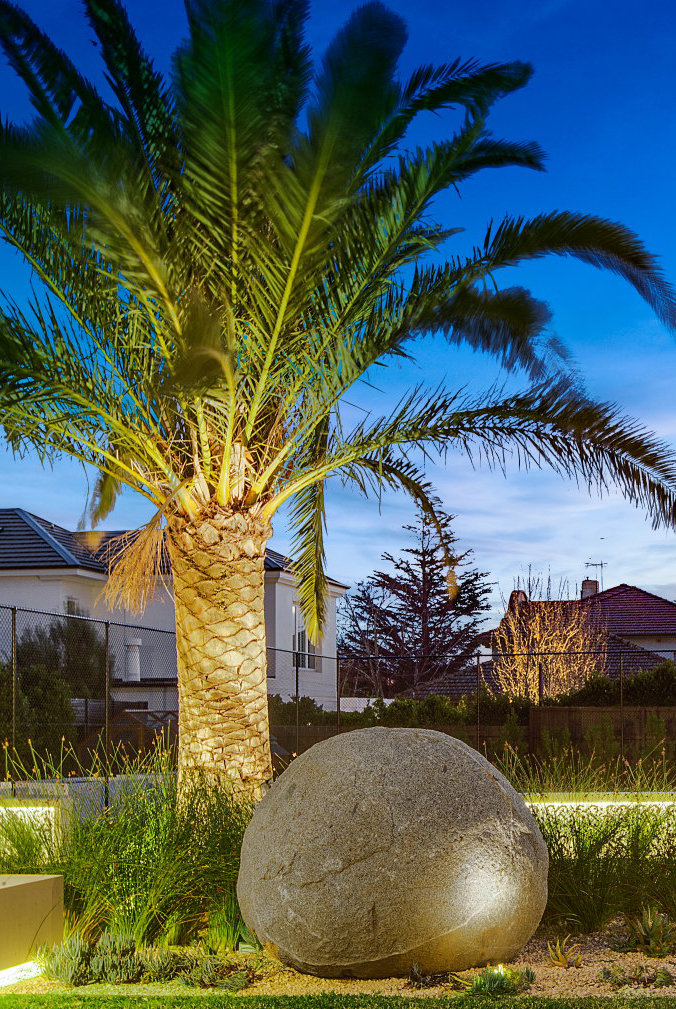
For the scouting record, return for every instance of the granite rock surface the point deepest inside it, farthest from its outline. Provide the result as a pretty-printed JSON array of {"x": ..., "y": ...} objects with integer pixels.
[{"x": 380, "y": 848}]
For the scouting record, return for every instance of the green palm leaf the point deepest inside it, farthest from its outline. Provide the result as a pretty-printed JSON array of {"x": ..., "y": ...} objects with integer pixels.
[{"x": 221, "y": 257}]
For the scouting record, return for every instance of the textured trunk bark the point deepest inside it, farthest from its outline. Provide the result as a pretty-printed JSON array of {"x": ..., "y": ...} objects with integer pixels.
[{"x": 218, "y": 573}]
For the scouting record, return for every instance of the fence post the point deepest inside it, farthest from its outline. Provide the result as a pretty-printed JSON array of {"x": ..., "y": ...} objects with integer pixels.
[
  {"x": 296, "y": 658},
  {"x": 622, "y": 706},
  {"x": 14, "y": 683},
  {"x": 106, "y": 712},
  {"x": 541, "y": 683},
  {"x": 338, "y": 693},
  {"x": 478, "y": 702}
]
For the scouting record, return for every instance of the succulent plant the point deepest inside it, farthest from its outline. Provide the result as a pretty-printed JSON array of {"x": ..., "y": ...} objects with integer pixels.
[{"x": 564, "y": 956}]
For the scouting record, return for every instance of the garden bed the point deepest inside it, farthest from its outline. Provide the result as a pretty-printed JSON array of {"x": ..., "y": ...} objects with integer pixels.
[{"x": 275, "y": 980}]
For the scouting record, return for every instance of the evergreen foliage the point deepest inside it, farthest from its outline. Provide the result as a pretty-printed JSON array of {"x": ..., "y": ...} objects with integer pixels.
[
  {"x": 407, "y": 629},
  {"x": 655, "y": 686},
  {"x": 496, "y": 709},
  {"x": 44, "y": 719},
  {"x": 72, "y": 648}
]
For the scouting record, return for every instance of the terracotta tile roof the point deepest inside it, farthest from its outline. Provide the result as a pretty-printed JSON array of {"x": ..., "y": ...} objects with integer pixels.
[
  {"x": 621, "y": 655},
  {"x": 626, "y": 610},
  {"x": 462, "y": 682}
]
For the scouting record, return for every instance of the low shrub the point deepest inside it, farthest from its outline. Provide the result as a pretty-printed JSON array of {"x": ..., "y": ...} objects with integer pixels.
[
  {"x": 638, "y": 976},
  {"x": 69, "y": 963},
  {"x": 652, "y": 687},
  {"x": 216, "y": 972},
  {"x": 161, "y": 965},
  {"x": 407, "y": 712},
  {"x": 497, "y": 981},
  {"x": 114, "y": 959}
]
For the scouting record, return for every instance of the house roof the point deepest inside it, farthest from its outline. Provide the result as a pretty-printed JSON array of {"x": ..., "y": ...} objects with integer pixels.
[
  {"x": 626, "y": 610},
  {"x": 28, "y": 541},
  {"x": 621, "y": 657},
  {"x": 623, "y": 611}
]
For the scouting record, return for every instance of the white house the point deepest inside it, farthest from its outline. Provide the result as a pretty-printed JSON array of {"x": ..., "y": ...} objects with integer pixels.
[{"x": 45, "y": 567}]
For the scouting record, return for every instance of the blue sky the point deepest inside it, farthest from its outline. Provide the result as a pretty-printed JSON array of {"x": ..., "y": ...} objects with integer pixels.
[{"x": 602, "y": 103}]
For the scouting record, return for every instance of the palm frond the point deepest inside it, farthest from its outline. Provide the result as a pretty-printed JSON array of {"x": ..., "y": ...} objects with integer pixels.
[
  {"x": 221, "y": 256},
  {"x": 602, "y": 243},
  {"x": 144, "y": 97},
  {"x": 59, "y": 93},
  {"x": 553, "y": 424},
  {"x": 135, "y": 560},
  {"x": 308, "y": 519},
  {"x": 465, "y": 83},
  {"x": 355, "y": 91}
]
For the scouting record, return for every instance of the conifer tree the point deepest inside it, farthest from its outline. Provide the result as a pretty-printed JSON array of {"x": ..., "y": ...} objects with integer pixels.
[{"x": 409, "y": 628}]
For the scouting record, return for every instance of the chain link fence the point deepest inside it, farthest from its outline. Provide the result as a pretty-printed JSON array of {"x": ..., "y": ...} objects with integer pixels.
[
  {"x": 73, "y": 683},
  {"x": 538, "y": 702}
]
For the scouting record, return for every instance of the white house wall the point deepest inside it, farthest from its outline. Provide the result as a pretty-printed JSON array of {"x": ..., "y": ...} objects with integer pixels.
[
  {"x": 318, "y": 683},
  {"x": 50, "y": 589},
  {"x": 53, "y": 590},
  {"x": 663, "y": 644}
]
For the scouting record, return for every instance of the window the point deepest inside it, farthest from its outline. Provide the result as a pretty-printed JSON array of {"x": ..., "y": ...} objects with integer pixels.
[{"x": 305, "y": 653}]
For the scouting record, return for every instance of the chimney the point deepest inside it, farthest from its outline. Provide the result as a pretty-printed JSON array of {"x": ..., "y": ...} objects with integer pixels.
[
  {"x": 589, "y": 588},
  {"x": 517, "y": 597}
]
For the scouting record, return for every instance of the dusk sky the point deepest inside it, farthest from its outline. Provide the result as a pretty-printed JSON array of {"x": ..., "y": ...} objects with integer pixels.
[{"x": 602, "y": 103}]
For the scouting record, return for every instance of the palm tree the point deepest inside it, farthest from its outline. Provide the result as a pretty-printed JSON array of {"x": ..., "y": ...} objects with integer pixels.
[{"x": 221, "y": 256}]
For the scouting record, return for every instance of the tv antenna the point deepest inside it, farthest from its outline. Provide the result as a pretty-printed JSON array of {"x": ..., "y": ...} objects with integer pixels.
[{"x": 600, "y": 565}]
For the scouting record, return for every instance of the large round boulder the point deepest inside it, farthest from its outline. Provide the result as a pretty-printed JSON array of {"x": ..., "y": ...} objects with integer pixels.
[{"x": 381, "y": 848}]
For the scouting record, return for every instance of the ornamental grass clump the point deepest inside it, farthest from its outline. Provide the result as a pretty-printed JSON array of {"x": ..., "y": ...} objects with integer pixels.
[
  {"x": 147, "y": 866},
  {"x": 568, "y": 771},
  {"x": 605, "y": 862}
]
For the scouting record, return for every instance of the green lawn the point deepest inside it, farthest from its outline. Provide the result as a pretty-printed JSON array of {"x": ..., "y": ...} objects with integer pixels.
[{"x": 79, "y": 1000}]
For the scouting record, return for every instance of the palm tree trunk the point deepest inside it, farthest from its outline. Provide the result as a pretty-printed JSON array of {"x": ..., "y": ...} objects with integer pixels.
[{"x": 218, "y": 576}]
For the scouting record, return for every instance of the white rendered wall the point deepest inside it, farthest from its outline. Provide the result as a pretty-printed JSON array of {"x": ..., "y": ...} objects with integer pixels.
[
  {"x": 54, "y": 590},
  {"x": 318, "y": 683},
  {"x": 45, "y": 589},
  {"x": 664, "y": 644}
]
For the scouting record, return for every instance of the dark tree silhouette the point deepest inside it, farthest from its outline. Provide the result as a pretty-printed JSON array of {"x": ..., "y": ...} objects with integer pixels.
[{"x": 406, "y": 629}]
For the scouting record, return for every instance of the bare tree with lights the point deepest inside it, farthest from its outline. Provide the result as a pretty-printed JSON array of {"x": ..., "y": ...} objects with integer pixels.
[{"x": 546, "y": 642}]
